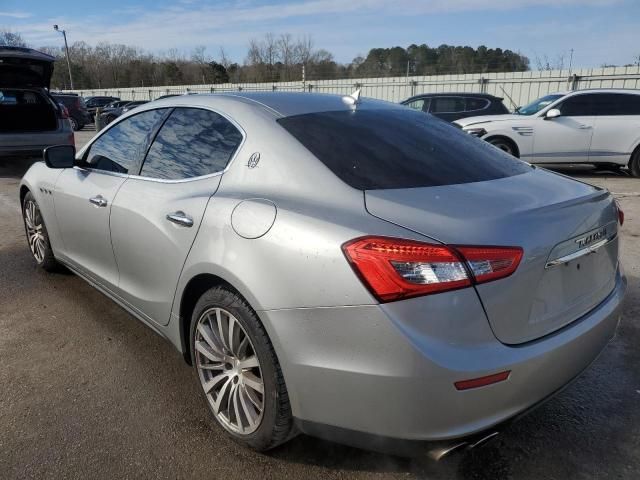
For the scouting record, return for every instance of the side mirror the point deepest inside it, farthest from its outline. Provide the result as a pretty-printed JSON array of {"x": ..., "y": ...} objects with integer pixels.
[
  {"x": 553, "y": 113},
  {"x": 60, "y": 156}
]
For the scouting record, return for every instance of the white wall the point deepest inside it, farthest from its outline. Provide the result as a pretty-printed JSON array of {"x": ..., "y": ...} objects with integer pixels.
[{"x": 521, "y": 87}]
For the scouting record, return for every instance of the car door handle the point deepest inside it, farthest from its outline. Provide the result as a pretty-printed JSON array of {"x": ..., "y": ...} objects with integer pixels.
[
  {"x": 180, "y": 218},
  {"x": 99, "y": 201},
  {"x": 585, "y": 127}
]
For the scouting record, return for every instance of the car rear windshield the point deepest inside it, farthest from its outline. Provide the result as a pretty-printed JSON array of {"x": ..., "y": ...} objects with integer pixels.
[{"x": 398, "y": 148}]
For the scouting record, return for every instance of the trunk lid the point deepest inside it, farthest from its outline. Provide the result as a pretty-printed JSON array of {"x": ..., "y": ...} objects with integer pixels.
[
  {"x": 550, "y": 216},
  {"x": 24, "y": 67}
]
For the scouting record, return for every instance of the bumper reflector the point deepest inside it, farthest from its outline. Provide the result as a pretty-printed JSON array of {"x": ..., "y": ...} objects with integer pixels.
[{"x": 482, "y": 381}]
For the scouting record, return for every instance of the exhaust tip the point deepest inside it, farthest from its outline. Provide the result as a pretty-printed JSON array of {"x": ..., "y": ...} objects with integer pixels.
[{"x": 442, "y": 451}]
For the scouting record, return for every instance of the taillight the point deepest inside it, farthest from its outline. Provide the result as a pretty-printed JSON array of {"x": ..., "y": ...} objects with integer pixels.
[
  {"x": 491, "y": 263},
  {"x": 64, "y": 111},
  {"x": 394, "y": 269},
  {"x": 620, "y": 213}
]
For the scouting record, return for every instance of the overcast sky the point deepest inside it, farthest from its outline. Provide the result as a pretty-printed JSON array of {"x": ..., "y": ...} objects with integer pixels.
[{"x": 599, "y": 31}]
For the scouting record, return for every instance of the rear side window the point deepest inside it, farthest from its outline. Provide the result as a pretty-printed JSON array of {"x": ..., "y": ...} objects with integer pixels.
[
  {"x": 191, "y": 143},
  {"x": 120, "y": 148},
  {"x": 616, "y": 104},
  {"x": 447, "y": 105},
  {"x": 398, "y": 148},
  {"x": 476, "y": 104}
]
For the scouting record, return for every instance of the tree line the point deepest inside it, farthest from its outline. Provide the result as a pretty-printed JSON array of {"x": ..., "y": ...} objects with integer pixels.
[{"x": 269, "y": 59}]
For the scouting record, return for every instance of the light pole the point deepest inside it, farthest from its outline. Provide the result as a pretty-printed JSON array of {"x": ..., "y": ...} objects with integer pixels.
[{"x": 66, "y": 48}]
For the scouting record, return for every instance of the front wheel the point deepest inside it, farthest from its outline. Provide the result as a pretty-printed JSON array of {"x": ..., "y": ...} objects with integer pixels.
[
  {"x": 37, "y": 235},
  {"x": 634, "y": 163},
  {"x": 504, "y": 145},
  {"x": 238, "y": 370}
]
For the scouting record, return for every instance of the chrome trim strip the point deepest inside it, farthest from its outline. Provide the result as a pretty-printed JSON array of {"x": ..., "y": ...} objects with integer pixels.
[
  {"x": 577, "y": 154},
  {"x": 580, "y": 253}
]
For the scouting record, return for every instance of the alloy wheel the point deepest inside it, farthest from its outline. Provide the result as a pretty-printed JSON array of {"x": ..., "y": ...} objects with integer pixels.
[
  {"x": 504, "y": 146},
  {"x": 229, "y": 371},
  {"x": 35, "y": 234}
]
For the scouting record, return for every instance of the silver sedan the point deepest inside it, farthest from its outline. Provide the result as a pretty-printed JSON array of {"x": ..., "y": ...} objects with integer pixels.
[{"x": 339, "y": 266}]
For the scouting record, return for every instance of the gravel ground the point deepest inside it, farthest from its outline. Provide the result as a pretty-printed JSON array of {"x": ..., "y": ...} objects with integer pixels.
[{"x": 89, "y": 392}]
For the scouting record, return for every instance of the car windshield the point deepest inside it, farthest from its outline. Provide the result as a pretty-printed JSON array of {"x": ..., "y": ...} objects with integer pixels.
[
  {"x": 539, "y": 104},
  {"x": 398, "y": 148}
]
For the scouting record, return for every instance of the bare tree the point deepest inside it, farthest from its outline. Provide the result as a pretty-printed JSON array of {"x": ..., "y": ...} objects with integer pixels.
[{"x": 11, "y": 39}]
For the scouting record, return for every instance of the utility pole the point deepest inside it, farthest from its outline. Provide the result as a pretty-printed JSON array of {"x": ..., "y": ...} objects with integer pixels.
[
  {"x": 66, "y": 49},
  {"x": 570, "y": 61}
]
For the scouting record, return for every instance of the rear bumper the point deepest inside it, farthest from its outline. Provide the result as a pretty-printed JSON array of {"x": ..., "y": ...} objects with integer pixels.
[
  {"x": 33, "y": 143},
  {"x": 388, "y": 371}
]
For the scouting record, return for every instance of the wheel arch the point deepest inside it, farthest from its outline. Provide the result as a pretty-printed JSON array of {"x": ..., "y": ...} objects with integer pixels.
[
  {"x": 192, "y": 291},
  {"x": 23, "y": 193},
  {"x": 635, "y": 151},
  {"x": 514, "y": 144}
]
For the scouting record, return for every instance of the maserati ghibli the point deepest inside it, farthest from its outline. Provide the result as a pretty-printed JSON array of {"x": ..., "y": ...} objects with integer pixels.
[{"x": 340, "y": 266}]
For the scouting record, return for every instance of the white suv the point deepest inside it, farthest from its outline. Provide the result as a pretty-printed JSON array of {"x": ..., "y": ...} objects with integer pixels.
[{"x": 600, "y": 127}]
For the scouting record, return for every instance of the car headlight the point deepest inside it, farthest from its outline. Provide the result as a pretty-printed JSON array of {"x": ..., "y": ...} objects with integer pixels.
[{"x": 476, "y": 132}]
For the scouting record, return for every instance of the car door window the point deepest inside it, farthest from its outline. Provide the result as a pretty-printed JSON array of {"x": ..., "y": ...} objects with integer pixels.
[
  {"x": 474, "y": 104},
  {"x": 447, "y": 105},
  {"x": 419, "y": 104},
  {"x": 192, "y": 142},
  {"x": 578, "y": 106},
  {"x": 120, "y": 148}
]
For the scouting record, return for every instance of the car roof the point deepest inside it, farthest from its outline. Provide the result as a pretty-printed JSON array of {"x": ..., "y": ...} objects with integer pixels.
[
  {"x": 604, "y": 90},
  {"x": 283, "y": 104}
]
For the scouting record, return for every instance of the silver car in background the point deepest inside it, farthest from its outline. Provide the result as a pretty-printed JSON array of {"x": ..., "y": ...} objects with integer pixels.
[{"x": 344, "y": 267}]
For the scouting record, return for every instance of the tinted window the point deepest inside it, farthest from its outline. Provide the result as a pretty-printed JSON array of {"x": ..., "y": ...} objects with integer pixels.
[
  {"x": 616, "y": 104},
  {"x": 120, "y": 147},
  {"x": 375, "y": 149},
  {"x": 191, "y": 143},
  {"x": 447, "y": 105},
  {"x": 476, "y": 104},
  {"x": 416, "y": 104},
  {"x": 578, "y": 106}
]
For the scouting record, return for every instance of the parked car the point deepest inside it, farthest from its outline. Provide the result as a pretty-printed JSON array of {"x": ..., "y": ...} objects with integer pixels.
[
  {"x": 30, "y": 119},
  {"x": 96, "y": 102},
  {"x": 114, "y": 105},
  {"x": 78, "y": 113},
  {"x": 110, "y": 114},
  {"x": 453, "y": 106},
  {"x": 599, "y": 127},
  {"x": 348, "y": 268}
]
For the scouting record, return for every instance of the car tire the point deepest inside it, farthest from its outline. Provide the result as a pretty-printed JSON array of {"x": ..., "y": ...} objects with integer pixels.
[
  {"x": 634, "y": 163},
  {"x": 504, "y": 145},
  {"x": 260, "y": 421},
  {"x": 74, "y": 124},
  {"x": 37, "y": 235}
]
